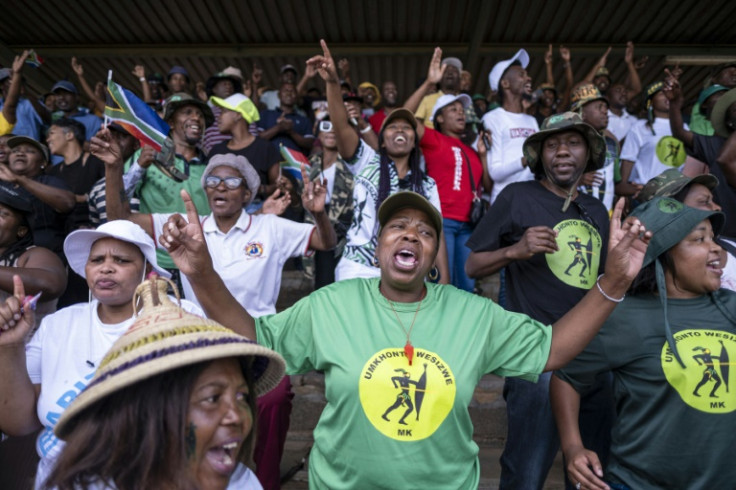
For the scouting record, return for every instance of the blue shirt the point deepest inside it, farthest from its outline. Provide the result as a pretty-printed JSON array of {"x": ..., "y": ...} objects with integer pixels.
[{"x": 28, "y": 121}]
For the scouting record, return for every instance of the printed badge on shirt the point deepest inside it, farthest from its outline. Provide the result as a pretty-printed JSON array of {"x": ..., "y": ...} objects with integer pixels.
[{"x": 254, "y": 250}]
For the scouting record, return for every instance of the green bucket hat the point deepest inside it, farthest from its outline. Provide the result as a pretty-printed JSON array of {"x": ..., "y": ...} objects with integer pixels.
[
  {"x": 670, "y": 221},
  {"x": 583, "y": 94},
  {"x": 559, "y": 123},
  {"x": 672, "y": 181},
  {"x": 176, "y": 101},
  {"x": 718, "y": 115}
]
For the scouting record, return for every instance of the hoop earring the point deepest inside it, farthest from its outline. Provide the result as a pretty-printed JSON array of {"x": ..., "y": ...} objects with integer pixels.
[
  {"x": 434, "y": 274},
  {"x": 374, "y": 261}
]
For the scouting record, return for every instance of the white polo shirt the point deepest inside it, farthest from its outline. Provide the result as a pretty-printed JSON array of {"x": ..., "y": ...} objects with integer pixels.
[{"x": 249, "y": 257}]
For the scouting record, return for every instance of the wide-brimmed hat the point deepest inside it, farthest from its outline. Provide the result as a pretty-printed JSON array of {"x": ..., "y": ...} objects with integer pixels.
[
  {"x": 584, "y": 93},
  {"x": 79, "y": 243},
  {"x": 230, "y": 73},
  {"x": 670, "y": 221},
  {"x": 377, "y": 98},
  {"x": 20, "y": 140},
  {"x": 241, "y": 104},
  {"x": 718, "y": 114},
  {"x": 177, "y": 101},
  {"x": 163, "y": 338},
  {"x": 565, "y": 122},
  {"x": 672, "y": 181},
  {"x": 494, "y": 77},
  {"x": 239, "y": 163},
  {"x": 400, "y": 113},
  {"x": 447, "y": 99},
  {"x": 408, "y": 199}
]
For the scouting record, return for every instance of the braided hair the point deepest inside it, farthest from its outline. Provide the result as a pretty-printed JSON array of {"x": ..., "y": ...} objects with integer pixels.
[
  {"x": 384, "y": 181},
  {"x": 9, "y": 257}
]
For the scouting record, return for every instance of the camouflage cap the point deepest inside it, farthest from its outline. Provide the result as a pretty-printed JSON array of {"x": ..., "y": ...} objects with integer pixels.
[
  {"x": 602, "y": 72},
  {"x": 720, "y": 112},
  {"x": 672, "y": 181},
  {"x": 177, "y": 101},
  {"x": 670, "y": 221},
  {"x": 559, "y": 123},
  {"x": 651, "y": 91},
  {"x": 584, "y": 93}
]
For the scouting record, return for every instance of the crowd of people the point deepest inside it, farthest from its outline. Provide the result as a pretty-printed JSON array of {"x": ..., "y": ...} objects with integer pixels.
[{"x": 607, "y": 210}]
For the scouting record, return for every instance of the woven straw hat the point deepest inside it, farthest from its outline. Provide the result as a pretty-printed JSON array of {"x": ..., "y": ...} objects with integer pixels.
[{"x": 163, "y": 338}]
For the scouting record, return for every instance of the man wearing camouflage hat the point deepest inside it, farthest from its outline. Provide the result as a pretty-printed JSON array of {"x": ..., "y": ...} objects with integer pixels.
[
  {"x": 552, "y": 241},
  {"x": 593, "y": 109}
]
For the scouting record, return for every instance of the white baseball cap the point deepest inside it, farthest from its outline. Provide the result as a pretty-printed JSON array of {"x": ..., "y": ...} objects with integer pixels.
[
  {"x": 447, "y": 99},
  {"x": 497, "y": 71},
  {"x": 79, "y": 243}
]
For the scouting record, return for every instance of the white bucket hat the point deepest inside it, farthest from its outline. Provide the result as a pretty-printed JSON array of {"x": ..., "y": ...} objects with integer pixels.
[
  {"x": 79, "y": 243},
  {"x": 497, "y": 71}
]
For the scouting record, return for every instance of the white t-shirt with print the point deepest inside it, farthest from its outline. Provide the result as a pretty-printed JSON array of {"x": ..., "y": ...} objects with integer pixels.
[
  {"x": 620, "y": 125},
  {"x": 57, "y": 358},
  {"x": 653, "y": 149},
  {"x": 508, "y": 130},
  {"x": 249, "y": 257}
]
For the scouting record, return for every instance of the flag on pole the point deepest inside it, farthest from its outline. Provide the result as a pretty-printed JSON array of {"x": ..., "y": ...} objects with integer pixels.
[
  {"x": 34, "y": 59},
  {"x": 293, "y": 161},
  {"x": 135, "y": 116}
]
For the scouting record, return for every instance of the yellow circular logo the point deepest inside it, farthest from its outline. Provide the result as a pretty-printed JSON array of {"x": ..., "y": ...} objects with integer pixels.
[
  {"x": 671, "y": 151},
  {"x": 403, "y": 402},
  {"x": 576, "y": 262},
  {"x": 705, "y": 381}
]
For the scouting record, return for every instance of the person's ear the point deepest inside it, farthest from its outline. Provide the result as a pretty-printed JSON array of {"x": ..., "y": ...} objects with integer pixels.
[
  {"x": 246, "y": 196},
  {"x": 22, "y": 231}
]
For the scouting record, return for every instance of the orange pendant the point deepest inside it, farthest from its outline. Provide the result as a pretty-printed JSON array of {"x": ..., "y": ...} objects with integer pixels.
[{"x": 409, "y": 351}]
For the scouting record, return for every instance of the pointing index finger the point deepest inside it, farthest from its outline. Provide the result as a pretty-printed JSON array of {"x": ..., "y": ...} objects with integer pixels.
[{"x": 192, "y": 214}]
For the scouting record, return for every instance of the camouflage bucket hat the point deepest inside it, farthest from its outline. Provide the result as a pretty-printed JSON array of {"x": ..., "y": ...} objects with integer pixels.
[
  {"x": 583, "y": 94},
  {"x": 565, "y": 122},
  {"x": 672, "y": 181}
]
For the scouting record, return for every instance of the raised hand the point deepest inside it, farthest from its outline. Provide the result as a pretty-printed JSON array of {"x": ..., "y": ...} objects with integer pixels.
[
  {"x": 139, "y": 71},
  {"x": 548, "y": 56},
  {"x": 629, "y": 54},
  {"x": 627, "y": 245},
  {"x": 672, "y": 89},
  {"x": 18, "y": 62},
  {"x": 103, "y": 146},
  {"x": 565, "y": 54},
  {"x": 277, "y": 202},
  {"x": 16, "y": 315},
  {"x": 324, "y": 64},
  {"x": 314, "y": 193},
  {"x": 436, "y": 69},
  {"x": 146, "y": 157},
  {"x": 256, "y": 75},
  {"x": 604, "y": 58},
  {"x": 77, "y": 67},
  {"x": 184, "y": 240}
]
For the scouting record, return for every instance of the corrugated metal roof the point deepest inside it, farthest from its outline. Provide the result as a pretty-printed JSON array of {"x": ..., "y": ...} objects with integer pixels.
[{"x": 383, "y": 39}]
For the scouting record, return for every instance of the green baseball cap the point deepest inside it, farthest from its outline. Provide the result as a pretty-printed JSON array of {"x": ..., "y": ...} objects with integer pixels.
[
  {"x": 560, "y": 123},
  {"x": 408, "y": 199},
  {"x": 239, "y": 103}
]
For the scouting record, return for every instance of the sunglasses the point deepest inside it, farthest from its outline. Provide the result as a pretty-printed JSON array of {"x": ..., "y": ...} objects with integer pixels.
[
  {"x": 231, "y": 183},
  {"x": 325, "y": 126}
]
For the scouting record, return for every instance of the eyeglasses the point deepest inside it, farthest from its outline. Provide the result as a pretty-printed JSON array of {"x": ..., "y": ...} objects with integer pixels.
[
  {"x": 325, "y": 126},
  {"x": 231, "y": 183}
]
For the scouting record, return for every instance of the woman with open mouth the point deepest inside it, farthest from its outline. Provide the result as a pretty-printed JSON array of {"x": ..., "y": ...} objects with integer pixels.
[
  {"x": 398, "y": 381},
  {"x": 395, "y": 167},
  {"x": 668, "y": 344},
  {"x": 171, "y": 406}
]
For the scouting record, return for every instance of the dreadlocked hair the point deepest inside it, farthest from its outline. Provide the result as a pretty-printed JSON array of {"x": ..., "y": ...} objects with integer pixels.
[{"x": 384, "y": 181}]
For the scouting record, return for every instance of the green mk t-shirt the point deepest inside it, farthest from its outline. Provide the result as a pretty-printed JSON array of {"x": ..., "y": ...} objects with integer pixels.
[{"x": 389, "y": 424}]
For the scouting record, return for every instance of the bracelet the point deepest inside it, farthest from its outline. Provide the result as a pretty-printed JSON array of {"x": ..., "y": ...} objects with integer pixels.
[
  {"x": 141, "y": 79},
  {"x": 600, "y": 290},
  {"x": 366, "y": 129}
]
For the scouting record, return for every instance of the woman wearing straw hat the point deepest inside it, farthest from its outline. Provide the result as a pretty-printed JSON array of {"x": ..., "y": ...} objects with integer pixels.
[
  {"x": 38, "y": 380},
  {"x": 668, "y": 344},
  {"x": 171, "y": 406},
  {"x": 398, "y": 381}
]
